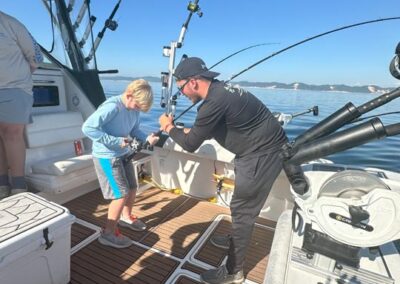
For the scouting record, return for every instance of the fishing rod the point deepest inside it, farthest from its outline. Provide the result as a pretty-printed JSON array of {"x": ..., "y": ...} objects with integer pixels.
[
  {"x": 296, "y": 44},
  {"x": 372, "y": 116},
  {"x": 239, "y": 51},
  {"x": 309, "y": 39},
  {"x": 108, "y": 24},
  {"x": 216, "y": 64}
]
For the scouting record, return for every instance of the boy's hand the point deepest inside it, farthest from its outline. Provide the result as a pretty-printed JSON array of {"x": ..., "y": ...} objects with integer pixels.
[{"x": 125, "y": 142}]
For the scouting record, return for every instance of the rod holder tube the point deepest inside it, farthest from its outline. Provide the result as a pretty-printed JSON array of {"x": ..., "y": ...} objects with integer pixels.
[
  {"x": 346, "y": 139},
  {"x": 328, "y": 125}
]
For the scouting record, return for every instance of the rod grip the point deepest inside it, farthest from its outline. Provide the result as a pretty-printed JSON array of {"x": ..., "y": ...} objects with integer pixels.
[{"x": 393, "y": 129}]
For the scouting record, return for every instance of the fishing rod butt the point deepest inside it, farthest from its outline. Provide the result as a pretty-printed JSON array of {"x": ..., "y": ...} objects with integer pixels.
[
  {"x": 379, "y": 101},
  {"x": 393, "y": 129}
]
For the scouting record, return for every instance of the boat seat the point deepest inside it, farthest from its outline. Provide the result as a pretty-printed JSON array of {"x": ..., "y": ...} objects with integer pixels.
[{"x": 52, "y": 165}]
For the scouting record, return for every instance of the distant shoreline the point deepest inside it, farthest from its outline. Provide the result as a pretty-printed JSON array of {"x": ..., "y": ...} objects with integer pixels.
[{"x": 340, "y": 88}]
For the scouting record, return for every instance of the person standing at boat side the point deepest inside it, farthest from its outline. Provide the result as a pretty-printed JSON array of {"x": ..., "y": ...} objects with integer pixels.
[
  {"x": 19, "y": 58},
  {"x": 242, "y": 124},
  {"x": 109, "y": 128}
]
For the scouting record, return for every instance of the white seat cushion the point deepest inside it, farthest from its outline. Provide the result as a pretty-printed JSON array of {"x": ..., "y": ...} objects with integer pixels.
[
  {"x": 51, "y": 128},
  {"x": 61, "y": 166}
]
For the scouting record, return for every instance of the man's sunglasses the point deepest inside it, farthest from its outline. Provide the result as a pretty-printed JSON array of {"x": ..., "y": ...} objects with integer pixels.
[{"x": 180, "y": 89}]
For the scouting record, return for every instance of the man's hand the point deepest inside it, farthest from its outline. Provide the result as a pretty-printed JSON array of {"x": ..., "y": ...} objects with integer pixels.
[
  {"x": 166, "y": 122},
  {"x": 152, "y": 139}
]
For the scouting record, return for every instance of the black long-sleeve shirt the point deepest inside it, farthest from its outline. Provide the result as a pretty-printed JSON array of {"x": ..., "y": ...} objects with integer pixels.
[{"x": 236, "y": 119}]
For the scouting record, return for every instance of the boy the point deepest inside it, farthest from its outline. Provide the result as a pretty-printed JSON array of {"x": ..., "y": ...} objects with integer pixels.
[{"x": 109, "y": 128}]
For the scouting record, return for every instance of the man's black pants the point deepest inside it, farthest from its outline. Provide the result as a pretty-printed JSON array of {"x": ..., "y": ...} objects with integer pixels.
[{"x": 254, "y": 177}]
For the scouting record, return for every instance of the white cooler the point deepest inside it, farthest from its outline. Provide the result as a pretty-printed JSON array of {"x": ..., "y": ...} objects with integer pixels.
[{"x": 35, "y": 241}]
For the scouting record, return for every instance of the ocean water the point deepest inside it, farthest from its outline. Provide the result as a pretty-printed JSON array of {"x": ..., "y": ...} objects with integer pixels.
[{"x": 384, "y": 153}]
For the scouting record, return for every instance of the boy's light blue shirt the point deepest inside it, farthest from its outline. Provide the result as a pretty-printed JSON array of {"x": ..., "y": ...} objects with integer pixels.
[{"x": 109, "y": 125}]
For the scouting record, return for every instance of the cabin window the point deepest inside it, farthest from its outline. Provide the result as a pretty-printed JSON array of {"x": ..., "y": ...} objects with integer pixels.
[{"x": 44, "y": 96}]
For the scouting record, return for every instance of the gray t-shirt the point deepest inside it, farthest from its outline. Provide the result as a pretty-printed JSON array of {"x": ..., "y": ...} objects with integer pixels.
[{"x": 19, "y": 55}]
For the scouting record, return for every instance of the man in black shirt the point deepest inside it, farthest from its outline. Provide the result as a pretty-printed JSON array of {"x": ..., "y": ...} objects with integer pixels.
[{"x": 242, "y": 124}]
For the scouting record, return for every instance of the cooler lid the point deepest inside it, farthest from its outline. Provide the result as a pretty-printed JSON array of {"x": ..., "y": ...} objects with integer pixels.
[{"x": 24, "y": 211}]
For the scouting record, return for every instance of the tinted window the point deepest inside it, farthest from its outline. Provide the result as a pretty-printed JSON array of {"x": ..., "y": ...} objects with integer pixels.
[{"x": 45, "y": 96}]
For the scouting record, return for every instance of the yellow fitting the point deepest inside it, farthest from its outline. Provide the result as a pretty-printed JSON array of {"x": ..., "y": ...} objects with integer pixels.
[
  {"x": 213, "y": 199},
  {"x": 177, "y": 191},
  {"x": 227, "y": 184}
]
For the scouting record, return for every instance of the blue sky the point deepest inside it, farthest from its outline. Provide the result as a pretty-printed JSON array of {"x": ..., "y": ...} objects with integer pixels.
[{"x": 357, "y": 56}]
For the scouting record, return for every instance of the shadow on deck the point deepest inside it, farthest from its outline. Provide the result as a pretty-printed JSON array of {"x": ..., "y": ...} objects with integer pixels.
[{"x": 173, "y": 249}]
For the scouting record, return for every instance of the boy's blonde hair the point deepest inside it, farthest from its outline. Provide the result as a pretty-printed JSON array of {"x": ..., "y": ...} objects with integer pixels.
[{"x": 141, "y": 90}]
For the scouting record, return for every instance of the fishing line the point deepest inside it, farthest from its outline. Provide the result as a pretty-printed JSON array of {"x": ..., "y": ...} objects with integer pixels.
[
  {"x": 237, "y": 52},
  {"x": 311, "y": 38},
  {"x": 219, "y": 62},
  {"x": 376, "y": 115},
  {"x": 294, "y": 45}
]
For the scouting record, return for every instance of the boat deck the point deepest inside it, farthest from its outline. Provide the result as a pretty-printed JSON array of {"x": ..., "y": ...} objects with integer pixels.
[{"x": 173, "y": 249}]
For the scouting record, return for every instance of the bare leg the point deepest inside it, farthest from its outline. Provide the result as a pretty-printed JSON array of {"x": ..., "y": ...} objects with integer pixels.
[
  {"x": 114, "y": 213},
  {"x": 127, "y": 211},
  {"x": 3, "y": 159},
  {"x": 14, "y": 146}
]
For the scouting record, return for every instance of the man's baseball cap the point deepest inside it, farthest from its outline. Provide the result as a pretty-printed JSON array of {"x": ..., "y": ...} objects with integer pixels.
[{"x": 191, "y": 67}]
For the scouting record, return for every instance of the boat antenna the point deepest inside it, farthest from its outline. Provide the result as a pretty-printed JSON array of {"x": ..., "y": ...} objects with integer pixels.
[
  {"x": 292, "y": 46},
  {"x": 309, "y": 39}
]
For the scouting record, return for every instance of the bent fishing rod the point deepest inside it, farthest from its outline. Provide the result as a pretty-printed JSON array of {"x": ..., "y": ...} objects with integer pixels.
[
  {"x": 294, "y": 45},
  {"x": 216, "y": 64}
]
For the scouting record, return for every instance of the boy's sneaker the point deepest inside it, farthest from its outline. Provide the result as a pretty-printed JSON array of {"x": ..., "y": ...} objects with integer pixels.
[
  {"x": 115, "y": 239},
  {"x": 133, "y": 223},
  {"x": 221, "y": 241}
]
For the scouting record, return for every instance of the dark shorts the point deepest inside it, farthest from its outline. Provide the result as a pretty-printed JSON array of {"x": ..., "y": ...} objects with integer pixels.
[
  {"x": 116, "y": 177},
  {"x": 15, "y": 106}
]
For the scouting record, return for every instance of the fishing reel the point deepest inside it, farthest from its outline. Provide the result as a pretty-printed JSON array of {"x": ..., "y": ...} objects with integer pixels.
[
  {"x": 111, "y": 24},
  {"x": 195, "y": 8},
  {"x": 135, "y": 146},
  {"x": 394, "y": 66}
]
